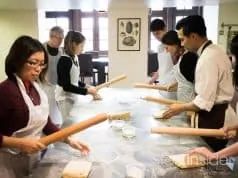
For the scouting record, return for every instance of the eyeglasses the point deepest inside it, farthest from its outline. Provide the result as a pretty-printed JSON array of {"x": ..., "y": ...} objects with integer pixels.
[{"x": 36, "y": 64}]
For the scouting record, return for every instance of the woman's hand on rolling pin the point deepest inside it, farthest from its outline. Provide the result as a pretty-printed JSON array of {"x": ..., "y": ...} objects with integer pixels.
[
  {"x": 92, "y": 90},
  {"x": 30, "y": 145},
  {"x": 230, "y": 131},
  {"x": 171, "y": 88},
  {"x": 78, "y": 145}
]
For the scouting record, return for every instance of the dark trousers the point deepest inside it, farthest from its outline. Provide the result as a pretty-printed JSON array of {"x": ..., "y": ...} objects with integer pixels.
[{"x": 213, "y": 120}]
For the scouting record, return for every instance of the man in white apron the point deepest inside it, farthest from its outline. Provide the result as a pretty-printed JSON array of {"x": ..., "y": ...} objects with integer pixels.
[
  {"x": 232, "y": 149},
  {"x": 213, "y": 80},
  {"x": 54, "y": 52},
  {"x": 165, "y": 73}
]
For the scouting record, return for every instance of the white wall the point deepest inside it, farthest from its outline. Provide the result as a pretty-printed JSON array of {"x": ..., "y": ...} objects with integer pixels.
[
  {"x": 210, "y": 14},
  {"x": 14, "y": 23},
  {"x": 228, "y": 14},
  {"x": 131, "y": 63}
]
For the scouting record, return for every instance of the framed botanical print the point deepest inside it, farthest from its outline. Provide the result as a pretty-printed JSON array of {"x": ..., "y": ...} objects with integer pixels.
[{"x": 128, "y": 34}]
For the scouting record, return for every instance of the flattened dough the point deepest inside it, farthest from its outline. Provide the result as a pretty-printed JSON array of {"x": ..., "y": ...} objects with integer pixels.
[
  {"x": 77, "y": 169},
  {"x": 184, "y": 161},
  {"x": 159, "y": 114}
]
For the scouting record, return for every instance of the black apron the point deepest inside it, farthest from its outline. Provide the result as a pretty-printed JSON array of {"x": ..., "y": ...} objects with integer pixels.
[{"x": 213, "y": 120}]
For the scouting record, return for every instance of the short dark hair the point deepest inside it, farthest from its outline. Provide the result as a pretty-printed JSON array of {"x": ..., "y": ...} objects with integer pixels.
[
  {"x": 72, "y": 37},
  {"x": 234, "y": 51},
  {"x": 22, "y": 48},
  {"x": 157, "y": 25},
  {"x": 192, "y": 24},
  {"x": 171, "y": 38}
]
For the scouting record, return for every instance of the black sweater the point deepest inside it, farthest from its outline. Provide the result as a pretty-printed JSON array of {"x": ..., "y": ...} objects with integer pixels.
[{"x": 64, "y": 76}]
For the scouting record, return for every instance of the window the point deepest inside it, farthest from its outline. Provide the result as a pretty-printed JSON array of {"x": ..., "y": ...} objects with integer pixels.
[
  {"x": 103, "y": 34},
  {"x": 183, "y": 7},
  {"x": 49, "y": 23},
  {"x": 178, "y": 18},
  {"x": 45, "y": 24},
  {"x": 171, "y": 16},
  {"x": 87, "y": 31},
  {"x": 93, "y": 25}
]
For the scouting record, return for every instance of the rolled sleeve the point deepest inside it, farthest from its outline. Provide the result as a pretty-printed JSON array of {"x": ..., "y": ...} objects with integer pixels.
[
  {"x": 203, "y": 104},
  {"x": 206, "y": 83}
]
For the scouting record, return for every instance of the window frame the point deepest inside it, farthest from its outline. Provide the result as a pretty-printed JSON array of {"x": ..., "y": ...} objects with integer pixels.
[
  {"x": 169, "y": 16},
  {"x": 75, "y": 23}
]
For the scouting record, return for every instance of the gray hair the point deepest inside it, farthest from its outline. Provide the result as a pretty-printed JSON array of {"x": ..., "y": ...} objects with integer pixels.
[{"x": 56, "y": 29}]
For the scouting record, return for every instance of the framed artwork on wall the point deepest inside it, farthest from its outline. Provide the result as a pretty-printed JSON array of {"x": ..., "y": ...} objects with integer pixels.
[{"x": 128, "y": 34}]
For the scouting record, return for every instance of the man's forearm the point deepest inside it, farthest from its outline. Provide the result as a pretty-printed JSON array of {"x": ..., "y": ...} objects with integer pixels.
[
  {"x": 231, "y": 150},
  {"x": 190, "y": 107}
]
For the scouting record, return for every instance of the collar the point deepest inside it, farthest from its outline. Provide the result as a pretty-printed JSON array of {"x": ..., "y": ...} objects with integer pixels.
[
  {"x": 202, "y": 47},
  {"x": 27, "y": 85}
]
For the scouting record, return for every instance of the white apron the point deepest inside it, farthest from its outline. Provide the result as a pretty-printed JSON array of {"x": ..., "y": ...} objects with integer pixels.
[
  {"x": 66, "y": 100},
  {"x": 13, "y": 164},
  {"x": 230, "y": 117},
  {"x": 166, "y": 71},
  {"x": 185, "y": 89},
  {"x": 50, "y": 87}
]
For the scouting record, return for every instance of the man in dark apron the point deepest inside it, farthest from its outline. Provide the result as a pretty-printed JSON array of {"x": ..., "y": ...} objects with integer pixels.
[{"x": 213, "y": 79}]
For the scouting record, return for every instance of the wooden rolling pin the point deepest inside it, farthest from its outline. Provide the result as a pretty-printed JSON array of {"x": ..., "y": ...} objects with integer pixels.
[
  {"x": 191, "y": 131},
  {"x": 120, "y": 116},
  {"x": 162, "y": 100},
  {"x": 157, "y": 87},
  {"x": 114, "y": 80},
  {"x": 65, "y": 132}
]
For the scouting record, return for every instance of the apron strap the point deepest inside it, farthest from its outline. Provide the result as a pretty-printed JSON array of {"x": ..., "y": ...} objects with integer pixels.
[{"x": 209, "y": 42}]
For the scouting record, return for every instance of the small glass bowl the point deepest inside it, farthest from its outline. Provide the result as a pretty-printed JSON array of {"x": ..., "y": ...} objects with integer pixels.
[
  {"x": 117, "y": 124},
  {"x": 129, "y": 131}
]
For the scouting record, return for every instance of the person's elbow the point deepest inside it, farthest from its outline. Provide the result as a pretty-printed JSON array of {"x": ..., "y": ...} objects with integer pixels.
[{"x": 203, "y": 104}]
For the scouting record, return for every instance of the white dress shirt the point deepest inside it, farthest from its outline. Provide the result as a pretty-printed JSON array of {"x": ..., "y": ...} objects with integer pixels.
[
  {"x": 213, "y": 78},
  {"x": 166, "y": 71},
  {"x": 165, "y": 65}
]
